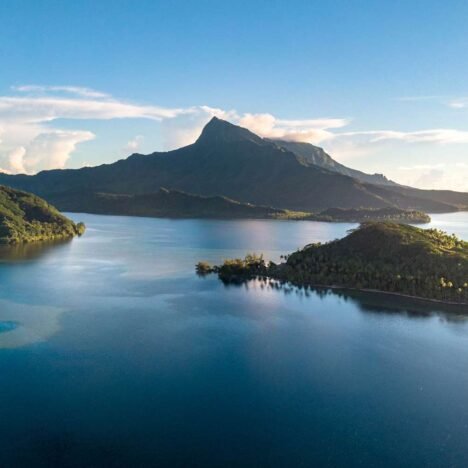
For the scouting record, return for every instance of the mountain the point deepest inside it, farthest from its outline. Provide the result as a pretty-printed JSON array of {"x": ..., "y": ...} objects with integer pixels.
[
  {"x": 26, "y": 218},
  {"x": 233, "y": 162},
  {"x": 311, "y": 155},
  {"x": 167, "y": 204},
  {"x": 388, "y": 257}
]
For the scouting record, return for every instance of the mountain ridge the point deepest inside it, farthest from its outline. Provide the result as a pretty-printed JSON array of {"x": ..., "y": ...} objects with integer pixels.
[
  {"x": 232, "y": 161},
  {"x": 310, "y": 154}
]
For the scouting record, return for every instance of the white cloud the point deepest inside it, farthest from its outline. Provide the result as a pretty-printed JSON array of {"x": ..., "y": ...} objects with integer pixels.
[
  {"x": 33, "y": 109},
  {"x": 438, "y": 135},
  {"x": 134, "y": 144},
  {"x": 459, "y": 103},
  {"x": 78, "y": 90},
  {"x": 309, "y": 130},
  {"x": 453, "y": 176},
  {"x": 16, "y": 159},
  {"x": 26, "y": 121},
  {"x": 49, "y": 150},
  {"x": 185, "y": 129},
  {"x": 417, "y": 167},
  {"x": 421, "y": 98}
]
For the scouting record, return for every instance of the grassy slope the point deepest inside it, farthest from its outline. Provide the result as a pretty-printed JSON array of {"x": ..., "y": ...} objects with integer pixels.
[{"x": 27, "y": 218}]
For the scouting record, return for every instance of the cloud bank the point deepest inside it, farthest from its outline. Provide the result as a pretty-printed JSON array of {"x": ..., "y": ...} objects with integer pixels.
[{"x": 29, "y": 141}]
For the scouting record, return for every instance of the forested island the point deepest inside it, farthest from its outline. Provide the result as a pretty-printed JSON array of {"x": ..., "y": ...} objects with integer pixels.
[
  {"x": 28, "y": 218},
  {"x": 362, "y": 215},
  {"x": 388, "y": 257}
]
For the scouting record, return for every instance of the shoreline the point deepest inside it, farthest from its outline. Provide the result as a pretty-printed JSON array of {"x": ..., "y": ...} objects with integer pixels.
[
  {"x": 393, "y": 293},
  {"x": 251, "y": 218}
]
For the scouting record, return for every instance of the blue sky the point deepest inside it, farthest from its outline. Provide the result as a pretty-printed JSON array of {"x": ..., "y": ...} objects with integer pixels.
[{"x": 381, "y": 85}]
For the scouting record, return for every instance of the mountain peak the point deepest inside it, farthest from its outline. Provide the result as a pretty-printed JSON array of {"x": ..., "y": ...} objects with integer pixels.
[{"x": 218, "y": 130}]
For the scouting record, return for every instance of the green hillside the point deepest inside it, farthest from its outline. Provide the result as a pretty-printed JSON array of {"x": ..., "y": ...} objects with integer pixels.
[
  {"x": 388, "y": 257},
  {"x": 361, "y": 215},
  {"x": 27, "y": 218},
  {"x": 168, "y": 204}
]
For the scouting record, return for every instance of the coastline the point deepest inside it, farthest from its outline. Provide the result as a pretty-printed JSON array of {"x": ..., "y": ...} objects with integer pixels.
[
  {"x": 373, "y": 291},
  {"x": 393, "y": 293}
]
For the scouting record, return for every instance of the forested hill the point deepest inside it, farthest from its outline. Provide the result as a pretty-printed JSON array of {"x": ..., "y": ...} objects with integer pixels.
[
  {"x": 27, "y": 218},
  {"x": 364, "y": 215},
  {"x": 166, "y": 203},
  {"x": 231, "y": 161},
  {"x": 388, "y": 257}
]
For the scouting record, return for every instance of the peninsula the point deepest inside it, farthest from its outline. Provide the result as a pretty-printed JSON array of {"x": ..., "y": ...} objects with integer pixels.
[{"x": 28, "y": 218}]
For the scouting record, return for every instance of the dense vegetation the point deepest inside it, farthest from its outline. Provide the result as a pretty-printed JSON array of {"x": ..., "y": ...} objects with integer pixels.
[
  {"x": 166, "y": 203},
  {"x": 233, "y": 162},
  {"x": 170, "y": 204},
  {"x": 381, "y": 256},
  {"x": 27, "y": 218},
  {"x": 362, "y": 215}
]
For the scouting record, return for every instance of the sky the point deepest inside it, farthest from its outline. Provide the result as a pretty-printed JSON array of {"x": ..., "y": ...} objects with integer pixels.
[{"x": 381, "y": 85}]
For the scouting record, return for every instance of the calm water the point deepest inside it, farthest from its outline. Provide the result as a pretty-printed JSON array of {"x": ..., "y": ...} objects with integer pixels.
[{"x": 114, "y": 353}]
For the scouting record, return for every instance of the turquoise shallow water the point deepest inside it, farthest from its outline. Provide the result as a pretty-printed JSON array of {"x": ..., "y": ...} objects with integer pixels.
[
  {"x": 7, "y": 326},
  {"x": 121, "y": 356}
]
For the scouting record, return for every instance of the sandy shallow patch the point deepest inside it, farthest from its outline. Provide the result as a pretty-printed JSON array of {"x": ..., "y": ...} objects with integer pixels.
[{"x": 33, "y": 324}]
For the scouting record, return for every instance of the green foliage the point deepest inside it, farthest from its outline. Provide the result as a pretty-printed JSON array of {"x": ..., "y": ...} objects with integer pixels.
[
  {"x": 361, "y": 215},
  {"x": 203, "y": 268},
  {"x": 171, "y": 204},
  {"x": 388, "y": 257},
  {"x": 27, "y": 218},
  {"x": 251, "y": 265}
]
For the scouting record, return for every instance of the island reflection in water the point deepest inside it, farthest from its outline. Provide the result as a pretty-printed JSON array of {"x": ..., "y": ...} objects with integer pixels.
[
  {"x": 29, "y": 251},
  {"x": 25, "y": 324},
  {"x": 367, "y": 301}
]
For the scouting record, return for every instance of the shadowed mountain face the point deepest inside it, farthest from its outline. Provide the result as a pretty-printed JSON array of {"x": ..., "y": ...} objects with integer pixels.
[
  {"x": 166, "y": 204},
  {"x": 311, "y": 155},
  {"x": 231, "y": 161}
]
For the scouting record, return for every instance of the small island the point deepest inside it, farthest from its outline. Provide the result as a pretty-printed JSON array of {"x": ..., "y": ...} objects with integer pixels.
[
  {"x": 363, "y": 215},
  {"x": 386, "y": 257},
  {"x": 25, "y": 217}
]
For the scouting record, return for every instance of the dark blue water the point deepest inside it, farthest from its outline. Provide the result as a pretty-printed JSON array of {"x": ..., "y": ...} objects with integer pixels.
[{"x": 121, "y": 356}]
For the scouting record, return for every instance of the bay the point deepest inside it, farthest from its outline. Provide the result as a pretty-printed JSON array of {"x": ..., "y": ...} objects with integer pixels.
[{"x": 114, "y": 353}]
